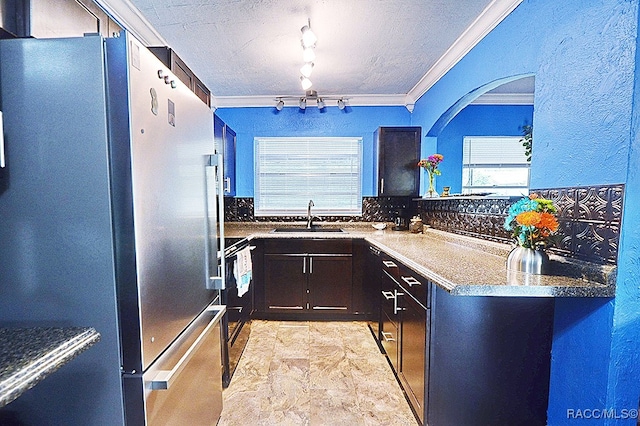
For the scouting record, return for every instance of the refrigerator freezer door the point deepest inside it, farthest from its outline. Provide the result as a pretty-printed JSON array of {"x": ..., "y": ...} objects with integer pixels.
[
  {"x": 161, "y": 140},
  {"x": 184, "y": 385}
]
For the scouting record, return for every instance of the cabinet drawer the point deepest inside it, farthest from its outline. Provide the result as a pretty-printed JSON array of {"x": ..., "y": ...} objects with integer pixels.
[
  {"x": 389, "y": 336},
  {"x": 390, "y": 266},
  {"x": 414, "y": 284},
  {"x": 308, "y": 246}
]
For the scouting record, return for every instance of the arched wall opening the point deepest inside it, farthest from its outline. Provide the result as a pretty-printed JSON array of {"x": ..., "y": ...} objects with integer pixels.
[{"x": 499, "y": 108}]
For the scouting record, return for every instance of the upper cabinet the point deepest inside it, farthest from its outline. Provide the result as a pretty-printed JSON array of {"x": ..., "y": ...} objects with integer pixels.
[
  {"x": 182, "y": 71},
  {"x": 54, "y": 19},
  {"x": 225, "y": 142},
  {"x": 398, "y": 152}
]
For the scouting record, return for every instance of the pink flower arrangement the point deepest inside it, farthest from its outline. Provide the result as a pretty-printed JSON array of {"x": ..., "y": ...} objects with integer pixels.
[{"x": 431, "y": 163}]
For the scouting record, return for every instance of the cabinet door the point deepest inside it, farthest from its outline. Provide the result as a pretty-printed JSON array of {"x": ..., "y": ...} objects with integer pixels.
[
  {"x": 413, "y": 350},
  {"x": 398, "y": 150},
  {"x": 218, "y": 134},
  {"x": 390, "y": 319},
  {"x": 229, "y": 162},
  {"x": 371, "y": 289},
  {"x": 330, "y": 282},
  {"x": 285, "y": 282},
  {"x": 225, "y": 142}
]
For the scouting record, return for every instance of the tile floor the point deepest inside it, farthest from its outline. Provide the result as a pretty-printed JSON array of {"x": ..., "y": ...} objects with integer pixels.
[{"x": 313, "y": 373}]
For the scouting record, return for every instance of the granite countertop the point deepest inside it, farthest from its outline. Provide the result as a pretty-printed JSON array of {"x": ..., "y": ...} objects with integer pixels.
[
  {"x": 461, "y": 265},
  {"x": 28, "y": 355}
]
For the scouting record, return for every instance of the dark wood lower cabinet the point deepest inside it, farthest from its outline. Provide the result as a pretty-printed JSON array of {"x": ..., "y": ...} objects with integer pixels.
[
  {"x": 465, "y": 360},
  {"x": 413, "y": 370},
  {"x": 330, "y": 282},
  {"x": 284, "y": 277},
  {"x": 306, "y": 279}
]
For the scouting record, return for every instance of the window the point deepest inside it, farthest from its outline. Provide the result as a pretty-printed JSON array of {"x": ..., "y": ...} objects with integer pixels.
[
  {"x": 292, "y": 171},
  {"x": 494, "y": 164}
]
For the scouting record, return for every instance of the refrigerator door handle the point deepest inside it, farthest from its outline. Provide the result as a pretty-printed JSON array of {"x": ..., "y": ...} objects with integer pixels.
[
  {"x": 164, "y": 378},
  {"x": 2, "y": 158},
  {"x": 217, "y": 281}
]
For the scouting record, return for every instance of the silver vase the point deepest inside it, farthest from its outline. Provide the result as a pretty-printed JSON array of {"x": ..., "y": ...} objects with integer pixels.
[{"x": 528, "y": 260}]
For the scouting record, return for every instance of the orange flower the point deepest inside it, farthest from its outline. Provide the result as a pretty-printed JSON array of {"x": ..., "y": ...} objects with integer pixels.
[
  {"x": 529, "y": 218},
  {"x": 548, "y": 221}
]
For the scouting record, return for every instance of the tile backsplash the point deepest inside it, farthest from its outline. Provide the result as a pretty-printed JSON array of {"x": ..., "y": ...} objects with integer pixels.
[
  {"x": 374, "y": 209},
  {"x": 590, "y": 217}
]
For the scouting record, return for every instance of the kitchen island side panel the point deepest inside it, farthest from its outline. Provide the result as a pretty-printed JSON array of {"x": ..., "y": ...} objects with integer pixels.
[{"x": 489, "y": 359}]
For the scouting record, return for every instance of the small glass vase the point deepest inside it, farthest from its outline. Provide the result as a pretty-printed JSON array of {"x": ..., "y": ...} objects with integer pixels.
[
  {"x": 531, "y": 261},
  {"x": 431, "y": 191}
]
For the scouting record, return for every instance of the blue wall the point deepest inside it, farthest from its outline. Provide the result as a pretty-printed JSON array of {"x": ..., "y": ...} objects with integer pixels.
[
  {"x": 583, "y": 56},
  {"x": 476, "y": 120},
  {"x": 291, "y": 121}
]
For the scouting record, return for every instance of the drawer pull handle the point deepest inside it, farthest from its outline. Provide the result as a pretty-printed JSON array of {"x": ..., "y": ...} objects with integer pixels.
[
  {"x": 387, "y": 336},
  {"x": 388, "y": 295},
  {"x": 411, "y": 281},
  {"x": 389, "y": 264},
  {"x": 397, "y": 308}
]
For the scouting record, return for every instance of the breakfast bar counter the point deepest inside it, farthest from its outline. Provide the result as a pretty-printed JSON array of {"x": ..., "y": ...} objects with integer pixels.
[{"x": 28, "y": 355}]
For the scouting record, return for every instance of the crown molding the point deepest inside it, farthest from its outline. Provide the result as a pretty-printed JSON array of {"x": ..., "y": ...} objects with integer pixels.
[
  {"x": 504, "y": 99},
  {"x": 289, "y": 101},
  {"x": 129, "y": 17},
  {"x": 490, "y": 17}
]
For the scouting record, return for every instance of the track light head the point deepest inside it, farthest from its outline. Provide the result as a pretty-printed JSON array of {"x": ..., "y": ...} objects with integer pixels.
[
  {"x": 280, "y": 105},
  {"x": 309, "y": 39},
  {"x": 320, "y": 103},
  {"x": 308, "y": 54},
  {"x": 307, "y": 69},
  {"x": 303, "y": 103},
  {"x": 306, "y": 83},
  {"x": 341, "y": 104}
]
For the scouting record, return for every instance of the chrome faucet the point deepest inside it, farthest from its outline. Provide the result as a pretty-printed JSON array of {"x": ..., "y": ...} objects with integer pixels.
[{"x": 309, "y": 217}]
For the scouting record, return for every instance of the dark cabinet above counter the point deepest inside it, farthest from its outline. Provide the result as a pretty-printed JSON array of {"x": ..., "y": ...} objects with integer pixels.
[
  {"x": 177, "y": 66},
  {"x": 225, "y": 143},
  {"x": 397, "y": 150}
]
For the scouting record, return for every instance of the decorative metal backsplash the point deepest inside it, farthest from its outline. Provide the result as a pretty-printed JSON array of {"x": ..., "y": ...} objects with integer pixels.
[
  {"x": 481, "y": 218},
  {"x": 374, "y": 209},
  {"x": 589, "y": 218}
]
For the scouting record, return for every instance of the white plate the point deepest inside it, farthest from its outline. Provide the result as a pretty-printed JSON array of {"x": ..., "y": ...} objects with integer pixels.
[{"x": 379, "y": 226}]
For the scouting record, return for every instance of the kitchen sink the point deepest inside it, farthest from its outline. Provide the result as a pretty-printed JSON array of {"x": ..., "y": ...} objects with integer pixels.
[{"x": 312, "y": 229}]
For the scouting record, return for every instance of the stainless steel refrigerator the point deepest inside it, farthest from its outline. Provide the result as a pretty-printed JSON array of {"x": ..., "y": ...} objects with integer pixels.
[{"x": 109, "y": 201}]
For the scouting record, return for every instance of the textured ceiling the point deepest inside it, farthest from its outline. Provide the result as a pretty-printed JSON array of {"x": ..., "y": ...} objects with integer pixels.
[{"x": 365, "y": 47}]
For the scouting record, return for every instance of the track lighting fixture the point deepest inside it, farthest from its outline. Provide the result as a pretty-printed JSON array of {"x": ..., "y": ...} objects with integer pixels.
[
  {"x": 308, "y": 42},
  {"x": 310, "y": 95}
]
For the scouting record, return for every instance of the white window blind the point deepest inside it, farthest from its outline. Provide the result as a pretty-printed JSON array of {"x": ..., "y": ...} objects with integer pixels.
[
  {"x": 292, "y": 171},
  {"x": 494, "y": 164}
]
